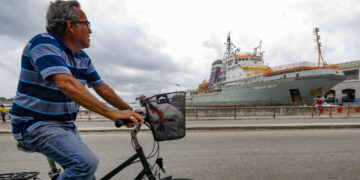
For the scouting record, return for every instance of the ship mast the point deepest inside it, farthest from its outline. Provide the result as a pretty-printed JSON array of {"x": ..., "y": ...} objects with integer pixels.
[
  {"x": 229, "y": 47},
  {"x": 256, "y": 50},
  {"x": 317, "y": 36}
]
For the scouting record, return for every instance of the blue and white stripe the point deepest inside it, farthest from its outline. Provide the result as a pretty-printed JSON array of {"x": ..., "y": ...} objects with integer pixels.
[{"x": 38, "y": 101}]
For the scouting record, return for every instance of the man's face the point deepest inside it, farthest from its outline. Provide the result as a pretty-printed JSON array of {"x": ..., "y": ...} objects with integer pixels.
[{"x": 82, "y": 33}]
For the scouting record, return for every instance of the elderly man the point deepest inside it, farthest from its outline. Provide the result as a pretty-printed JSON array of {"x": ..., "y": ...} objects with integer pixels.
[{"x": 54, "y": 72}]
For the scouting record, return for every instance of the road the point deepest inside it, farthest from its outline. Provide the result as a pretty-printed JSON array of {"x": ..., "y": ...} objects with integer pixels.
[
  {"x": 282, "y": 123},
  {"x": 266, "y": 154}
]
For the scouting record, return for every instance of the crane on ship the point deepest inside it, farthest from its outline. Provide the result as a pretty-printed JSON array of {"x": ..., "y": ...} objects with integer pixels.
[{"x": 317, "y": 36}]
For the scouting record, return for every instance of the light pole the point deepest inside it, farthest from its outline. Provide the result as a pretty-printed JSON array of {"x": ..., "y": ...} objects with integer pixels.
[{"x": 178, "y": 85}]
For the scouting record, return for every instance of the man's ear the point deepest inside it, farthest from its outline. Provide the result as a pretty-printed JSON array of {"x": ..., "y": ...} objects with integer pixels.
[{"x": 70, "y": 26}]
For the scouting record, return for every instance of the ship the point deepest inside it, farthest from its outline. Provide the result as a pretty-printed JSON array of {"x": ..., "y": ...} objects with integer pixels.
[{"x": 243, "y": 79}]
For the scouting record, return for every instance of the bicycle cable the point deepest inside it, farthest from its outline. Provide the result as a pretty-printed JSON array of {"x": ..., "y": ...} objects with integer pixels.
[{"x": 153, "y": 151}]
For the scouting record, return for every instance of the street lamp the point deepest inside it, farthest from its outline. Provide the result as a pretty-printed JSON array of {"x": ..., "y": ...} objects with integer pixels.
[{"x": 178, "y": 85}]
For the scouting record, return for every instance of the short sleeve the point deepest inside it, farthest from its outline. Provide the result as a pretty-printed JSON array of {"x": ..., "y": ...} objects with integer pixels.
[
  {"x": 93, "y": 78},
  {"x": 47, "y": 57}
]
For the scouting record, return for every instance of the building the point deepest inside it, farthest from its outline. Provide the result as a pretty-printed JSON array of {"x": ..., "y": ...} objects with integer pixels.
[{"x": 348, "y": 90}]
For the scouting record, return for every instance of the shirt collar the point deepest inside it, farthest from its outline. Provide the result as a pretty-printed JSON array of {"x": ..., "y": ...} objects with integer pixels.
[{"x": 63, "y": 45}]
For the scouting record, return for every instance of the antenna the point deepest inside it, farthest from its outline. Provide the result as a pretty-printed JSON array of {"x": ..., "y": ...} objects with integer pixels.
[
  {"x": 260, "y": 47},
  {"x": 317, "y": 36},
  {"x": 256, "y": 49}
]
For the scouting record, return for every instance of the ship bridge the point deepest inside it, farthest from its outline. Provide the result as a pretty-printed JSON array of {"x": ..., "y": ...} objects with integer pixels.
[{"x": 243, "y": 66}]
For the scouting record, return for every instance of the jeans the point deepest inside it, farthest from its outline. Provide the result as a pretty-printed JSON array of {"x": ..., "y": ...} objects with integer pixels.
[
  {"x": 64, "y": 145},
  {"x": 3, "y": 117}
]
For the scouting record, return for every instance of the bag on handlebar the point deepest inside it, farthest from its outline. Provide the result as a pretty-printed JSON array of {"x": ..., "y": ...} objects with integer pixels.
[{"x": 167, "y": 115}]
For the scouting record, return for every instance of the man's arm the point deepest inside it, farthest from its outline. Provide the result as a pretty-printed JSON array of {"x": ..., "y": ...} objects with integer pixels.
[
  {"x": 72, "y": 88},
  {"x": 111, "y": 97}
]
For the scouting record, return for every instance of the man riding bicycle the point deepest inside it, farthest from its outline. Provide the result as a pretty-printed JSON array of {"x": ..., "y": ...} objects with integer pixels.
[{"x": 54, "y": 71}]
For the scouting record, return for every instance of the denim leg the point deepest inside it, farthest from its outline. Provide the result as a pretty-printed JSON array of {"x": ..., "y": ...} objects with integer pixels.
[{"x": 64, "y": 146}]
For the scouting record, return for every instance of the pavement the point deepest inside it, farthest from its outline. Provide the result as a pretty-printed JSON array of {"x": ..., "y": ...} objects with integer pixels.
[{"x": 219, "y": 123}]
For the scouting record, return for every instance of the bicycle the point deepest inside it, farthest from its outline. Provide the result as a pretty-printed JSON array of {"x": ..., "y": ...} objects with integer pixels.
[{"x": 155, "y": 118}]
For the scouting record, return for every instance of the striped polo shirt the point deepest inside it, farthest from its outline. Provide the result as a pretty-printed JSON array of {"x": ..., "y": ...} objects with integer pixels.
[{"x": 38, "y": 101}]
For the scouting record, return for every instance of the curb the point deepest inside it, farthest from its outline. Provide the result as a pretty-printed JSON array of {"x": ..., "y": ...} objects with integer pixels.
[
  {"x": 276, "y": 127},
  {"x": 218, "y": 128}
]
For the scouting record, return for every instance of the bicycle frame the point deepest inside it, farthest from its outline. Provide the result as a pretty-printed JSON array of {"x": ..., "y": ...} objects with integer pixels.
[
  {"x": 139, "y": 154},
  {"x": 147, "y": 169}
]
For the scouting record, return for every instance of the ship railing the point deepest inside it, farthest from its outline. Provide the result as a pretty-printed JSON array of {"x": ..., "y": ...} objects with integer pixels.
[{"x": 300, "y": 66}]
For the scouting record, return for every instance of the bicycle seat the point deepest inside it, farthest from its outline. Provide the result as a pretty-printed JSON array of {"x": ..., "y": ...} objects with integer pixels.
[{"x": 21, "y": 147}]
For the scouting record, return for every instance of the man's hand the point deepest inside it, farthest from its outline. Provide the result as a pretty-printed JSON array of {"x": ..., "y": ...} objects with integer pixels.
[{"x": 127, "y": 114}]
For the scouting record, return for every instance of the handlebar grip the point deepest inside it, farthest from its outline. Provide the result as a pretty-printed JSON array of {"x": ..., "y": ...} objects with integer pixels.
[
  {"x": 139, "y": 111},
  {"x": 122, "y": 122}
]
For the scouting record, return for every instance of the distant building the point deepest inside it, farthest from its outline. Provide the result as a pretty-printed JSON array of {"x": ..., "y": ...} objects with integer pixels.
[{"x": 348, "y": 90}]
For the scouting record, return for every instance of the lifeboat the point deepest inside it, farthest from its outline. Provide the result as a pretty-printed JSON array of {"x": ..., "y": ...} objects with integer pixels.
[{"x": 204, "y": 85}]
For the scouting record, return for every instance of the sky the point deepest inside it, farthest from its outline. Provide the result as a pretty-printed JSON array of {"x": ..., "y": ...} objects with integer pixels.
[{"x": 146, "y": 47}]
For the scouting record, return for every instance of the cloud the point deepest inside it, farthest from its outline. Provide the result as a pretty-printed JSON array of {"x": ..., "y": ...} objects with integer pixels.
[
  {"x": 142, "y": 50},
  {"x": 116, "y": 45},
  {"x": 125, "y": 56},
  {"x": 129, "y": 61},
  {"x": 341, "y": 39},
  {"x": 215, "y": 45},
  {"x": 20, "y": 22}
]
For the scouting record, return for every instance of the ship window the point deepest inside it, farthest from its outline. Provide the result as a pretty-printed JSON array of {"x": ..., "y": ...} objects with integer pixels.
[
  {"x": 348, "y": 95},
  {"x": 295, "y": 95},
  {"x": 246, "y": 59},
  {"x": 236, "y": 61},
  {"x": 330, "y": 96},
  {"x": 352, "y": 74}
]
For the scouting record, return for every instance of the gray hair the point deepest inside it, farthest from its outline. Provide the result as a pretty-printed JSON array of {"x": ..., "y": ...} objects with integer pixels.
[{"x": 59, "y": 13}]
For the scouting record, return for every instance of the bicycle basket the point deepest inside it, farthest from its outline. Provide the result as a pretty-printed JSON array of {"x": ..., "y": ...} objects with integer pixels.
[{"x": 166, "y": 114}]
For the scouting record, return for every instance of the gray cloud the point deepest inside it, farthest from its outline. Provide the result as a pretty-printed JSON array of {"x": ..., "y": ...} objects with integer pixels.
[
  {"x": 20, "y": 22},
  {"x": 115, "y": 50},
  {"x": 339, "y": 24},
  {"x": 127, "y": 60},
  {"x": 344, "y": 34},
  {"x": 133, "y": 62},
  {"x": 116, "y": 45},
  {"x": 216, "y": 45}
]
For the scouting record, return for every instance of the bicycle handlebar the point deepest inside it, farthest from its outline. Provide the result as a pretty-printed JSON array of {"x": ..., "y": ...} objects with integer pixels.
[{"x": 122, "y": 122}]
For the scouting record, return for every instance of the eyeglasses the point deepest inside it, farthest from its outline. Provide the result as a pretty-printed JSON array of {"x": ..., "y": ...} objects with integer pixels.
[{"x": 84, "y": 22}]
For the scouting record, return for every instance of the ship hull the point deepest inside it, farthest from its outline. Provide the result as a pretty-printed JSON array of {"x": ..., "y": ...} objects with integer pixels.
[{"x": 296, "y": 88}]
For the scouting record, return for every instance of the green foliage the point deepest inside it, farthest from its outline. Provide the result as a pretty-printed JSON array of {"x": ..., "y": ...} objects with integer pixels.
[{"x": 6, "y": 101}]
